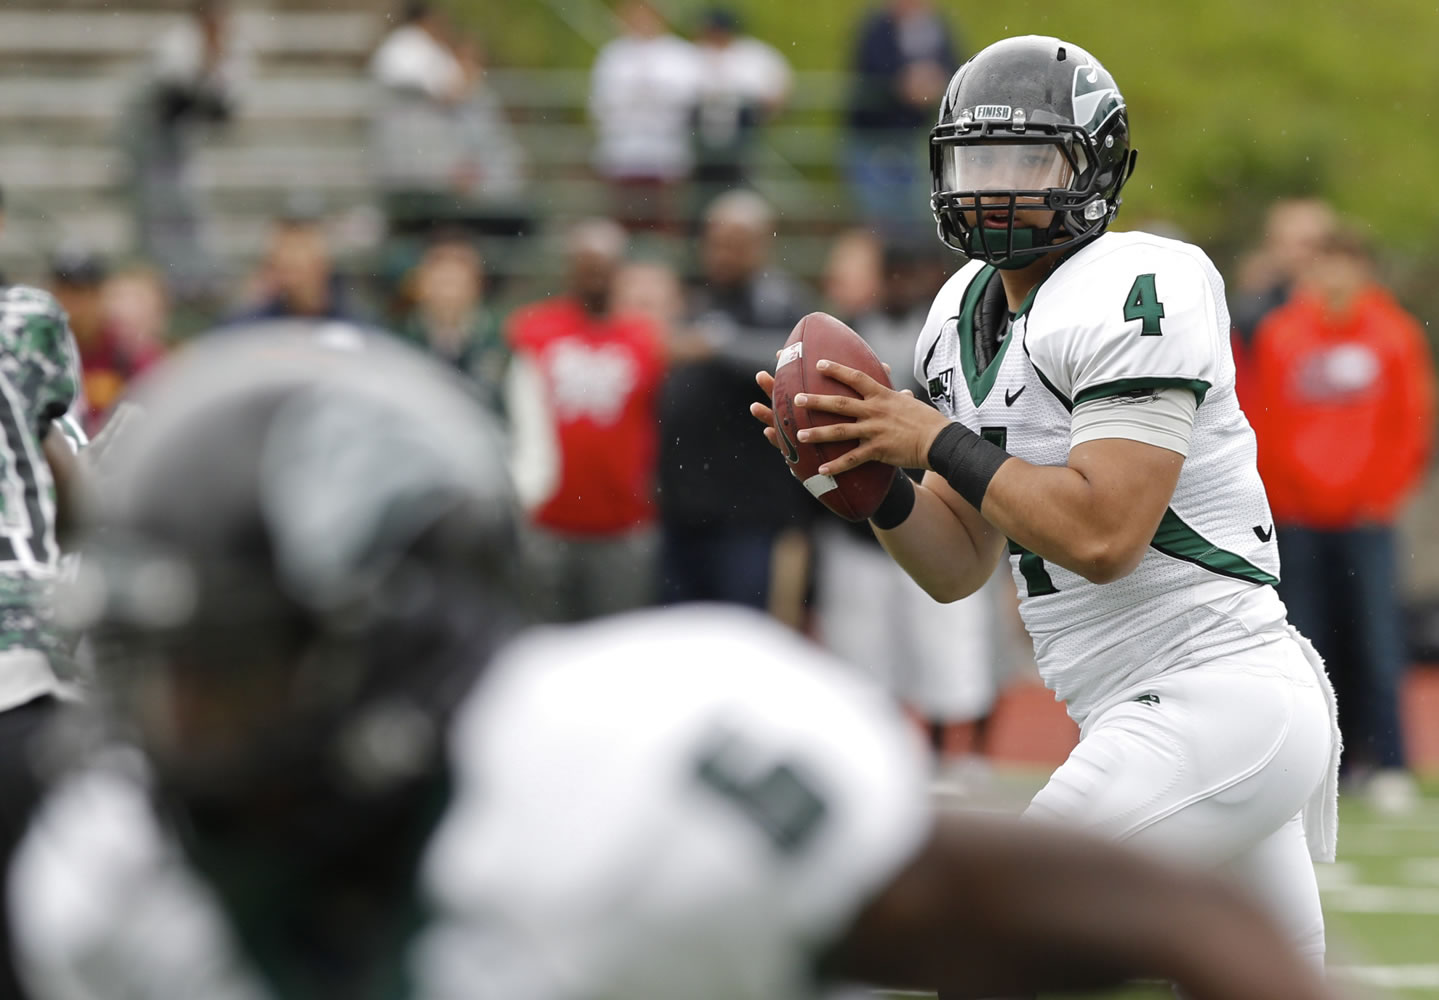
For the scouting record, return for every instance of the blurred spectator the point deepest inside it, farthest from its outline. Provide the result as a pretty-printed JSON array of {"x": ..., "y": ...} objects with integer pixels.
[
  {"x": 853, "y": 273},
  {"x": 1295, "y": 229},
  {"x": 419, "y": 57},
  {"x": 940, "y": 660},
  {"x": 136, "y": 326},
  {"x": 903, "y": 58},
  {"x": 642, "y": 92},
  {"x": 450, "y": 317},
  {"x": 297, "y": 278},
  {"x": 1342, "y": 402},
  {"x": 725, "y": 496},
  {"x": 650, "y": 289},
  {"x": 118, "y": 323},
  {"x": 433, "y": 99},
  {"x": 743, "y": 83},
  {"x": 194, "y": 85},
  {"x": 582, "y": 397},
  {"x": 893, "y": 326}
]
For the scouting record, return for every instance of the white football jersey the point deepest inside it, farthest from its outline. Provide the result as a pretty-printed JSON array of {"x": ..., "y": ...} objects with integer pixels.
[
  {"x": 1127, "y": 312},
  {"x": 691, "y": 803}
]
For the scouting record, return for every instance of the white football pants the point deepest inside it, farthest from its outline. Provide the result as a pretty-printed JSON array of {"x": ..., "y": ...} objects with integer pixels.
[{"x": 1211, "y": 766}]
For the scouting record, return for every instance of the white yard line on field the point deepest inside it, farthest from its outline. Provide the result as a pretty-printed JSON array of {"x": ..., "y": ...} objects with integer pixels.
[
  {"x": 1424, "y": 870},
  {"x": 1339, "y": 875},
  {"x": 1396, "y": 977},
  {"x": 1382, "y": 899}
]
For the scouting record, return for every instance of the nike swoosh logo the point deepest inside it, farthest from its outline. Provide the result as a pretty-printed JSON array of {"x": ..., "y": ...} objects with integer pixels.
[
  {"x": 1262, "y": 534},
  {"x": 1009, "y": 400}
]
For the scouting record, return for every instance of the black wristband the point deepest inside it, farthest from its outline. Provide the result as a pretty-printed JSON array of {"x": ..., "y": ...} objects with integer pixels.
[
  {"x": 966, "y": 461},
  {"x": 897, "y": 504}
]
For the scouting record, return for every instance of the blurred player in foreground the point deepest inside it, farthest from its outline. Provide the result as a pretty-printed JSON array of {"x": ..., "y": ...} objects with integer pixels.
[
  {"x": 300, "y": 590},
  {"x": 1086, "y": 412}
]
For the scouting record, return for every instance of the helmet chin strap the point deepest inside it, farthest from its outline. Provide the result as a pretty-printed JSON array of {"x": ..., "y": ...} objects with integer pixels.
[
  {"x": 1007, "y": 248},
  {"x": 1013, "y": 243},
  {"x": 988, "y": 244}
]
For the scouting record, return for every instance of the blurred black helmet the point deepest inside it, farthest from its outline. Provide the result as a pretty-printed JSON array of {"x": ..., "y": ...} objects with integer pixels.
[
  {"x": 303, "y": 557},
  {"x": 1029, "y": 123}
]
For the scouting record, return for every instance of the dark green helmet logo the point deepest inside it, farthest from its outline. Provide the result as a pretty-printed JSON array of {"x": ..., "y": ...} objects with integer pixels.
[{"x": 1094, "y": 96}]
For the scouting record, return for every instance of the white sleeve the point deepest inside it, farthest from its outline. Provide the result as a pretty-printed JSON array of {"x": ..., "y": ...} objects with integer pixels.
[
  {"x": 689, "y": 803},
  {"x": 772, "y": 73},
  {"x": 534, "y": 441},
  {"x": 408, "y": 60},
  {"x": 101, "y": 903},
  {"x": 1145, "y": 317},
  {"x": 1162, "y": 417}
]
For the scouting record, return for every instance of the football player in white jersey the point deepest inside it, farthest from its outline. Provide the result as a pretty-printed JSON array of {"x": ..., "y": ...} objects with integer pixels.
[
  {"x": 351, "y": 783},
  {"x": 1085, "y": 420}
]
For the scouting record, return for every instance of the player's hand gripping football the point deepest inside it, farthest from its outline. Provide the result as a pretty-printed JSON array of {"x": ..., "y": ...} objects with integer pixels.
[{"x": 891, "y": 426}]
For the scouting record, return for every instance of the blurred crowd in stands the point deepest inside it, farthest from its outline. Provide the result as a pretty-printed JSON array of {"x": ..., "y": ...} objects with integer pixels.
[{"x": 626, "y": 385}]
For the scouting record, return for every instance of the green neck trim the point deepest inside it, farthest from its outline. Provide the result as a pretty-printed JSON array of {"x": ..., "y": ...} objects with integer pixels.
[{"x": 978, "y": 382}]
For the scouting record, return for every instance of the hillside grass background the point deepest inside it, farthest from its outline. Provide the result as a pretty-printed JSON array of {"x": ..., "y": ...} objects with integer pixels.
[{"x": 1232, "y": 102}]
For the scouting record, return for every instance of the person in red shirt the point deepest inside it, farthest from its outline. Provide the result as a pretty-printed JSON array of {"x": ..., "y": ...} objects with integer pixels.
[
  {"x": 119, "y": 321},
  {"x": 1341, "y": 396},
  {"x": 582, "y": 396}
]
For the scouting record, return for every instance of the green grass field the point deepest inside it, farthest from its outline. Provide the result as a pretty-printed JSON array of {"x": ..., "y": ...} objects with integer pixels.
[{"x": 1381, "y": 899}]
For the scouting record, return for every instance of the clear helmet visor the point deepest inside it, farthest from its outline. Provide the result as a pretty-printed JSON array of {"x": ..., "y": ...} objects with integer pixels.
[{"x": 1004, "y": 166}]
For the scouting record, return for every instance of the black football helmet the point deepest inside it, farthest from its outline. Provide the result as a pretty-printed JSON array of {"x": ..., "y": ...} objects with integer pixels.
[
  {"x": 304, "y": 555},
  {"x": 1028, "y": 123}
]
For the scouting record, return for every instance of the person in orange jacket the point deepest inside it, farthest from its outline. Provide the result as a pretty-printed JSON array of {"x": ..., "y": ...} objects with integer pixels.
[{"x": 1341, "y": 395}]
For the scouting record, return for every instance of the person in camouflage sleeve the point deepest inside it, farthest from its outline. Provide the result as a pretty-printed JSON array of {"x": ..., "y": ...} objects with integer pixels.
[
  {"x": 39, "y": 441},
  {"x": 38, "y": 380}
]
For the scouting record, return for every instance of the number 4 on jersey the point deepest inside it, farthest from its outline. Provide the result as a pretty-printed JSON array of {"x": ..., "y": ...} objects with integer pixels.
[
  {"x": 1037, "y": 582},
  {"x": 1143, "y": 304}
]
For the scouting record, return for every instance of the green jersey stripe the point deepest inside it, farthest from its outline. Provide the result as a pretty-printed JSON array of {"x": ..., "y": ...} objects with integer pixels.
[
  {"x": 1178, "y": 540},
  {"x": 1119, "y": 387}
]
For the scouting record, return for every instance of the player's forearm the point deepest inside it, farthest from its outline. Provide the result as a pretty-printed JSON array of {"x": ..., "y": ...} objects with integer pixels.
[
  {"x": 1149, "y": 921},
  {"x": 1067, "y": 519},
  {"x": 938, "y": 551},
  {"x": 1218, "y": 946},
  {"x": 1046, "y": 909}
]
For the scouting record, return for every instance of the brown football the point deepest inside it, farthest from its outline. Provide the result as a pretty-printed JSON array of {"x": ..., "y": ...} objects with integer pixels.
[{"x": 855, "y": 494}]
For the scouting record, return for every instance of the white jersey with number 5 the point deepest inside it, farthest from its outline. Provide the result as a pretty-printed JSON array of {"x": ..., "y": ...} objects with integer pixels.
[
  {"x": 694, "y": 803},
  {"x": 1126, "y": 313},
  {"x": 691, "y": 803}
]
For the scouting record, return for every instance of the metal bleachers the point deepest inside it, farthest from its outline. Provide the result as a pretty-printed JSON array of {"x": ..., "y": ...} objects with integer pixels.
[{"x": 69, "y": 67}]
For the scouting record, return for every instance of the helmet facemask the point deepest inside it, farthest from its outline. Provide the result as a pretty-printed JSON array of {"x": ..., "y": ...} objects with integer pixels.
[{"x": 987, "y": 172}]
